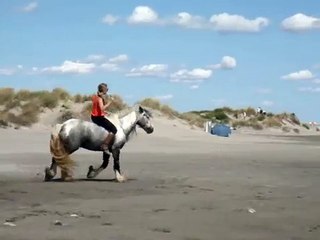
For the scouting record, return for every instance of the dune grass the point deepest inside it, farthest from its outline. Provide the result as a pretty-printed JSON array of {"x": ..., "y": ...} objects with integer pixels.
[
  {"x": 23, "y": 108},
  {"x": 150, "y": 103}
]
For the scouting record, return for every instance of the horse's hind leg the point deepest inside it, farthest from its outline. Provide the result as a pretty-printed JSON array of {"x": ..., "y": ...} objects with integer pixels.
[
  {"x": 51, "y": 172},
  {"x": 92, "y": 173},
  {"x": 65, "y": 175}
]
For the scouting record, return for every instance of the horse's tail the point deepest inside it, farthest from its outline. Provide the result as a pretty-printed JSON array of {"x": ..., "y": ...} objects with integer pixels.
[{"x": 59, "y": 152}]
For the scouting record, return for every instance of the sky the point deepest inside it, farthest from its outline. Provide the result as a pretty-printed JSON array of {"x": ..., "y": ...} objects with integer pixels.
[{"x": 192, "y": 55}]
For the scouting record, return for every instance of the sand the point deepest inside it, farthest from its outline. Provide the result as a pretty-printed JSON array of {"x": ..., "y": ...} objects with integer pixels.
[{"x": 183, "y": 184}]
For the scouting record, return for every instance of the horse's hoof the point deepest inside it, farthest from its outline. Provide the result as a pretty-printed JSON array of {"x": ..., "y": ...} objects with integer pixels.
[
  {"x": 48, "y": 175},
  {"x": 120, "y": 178}
]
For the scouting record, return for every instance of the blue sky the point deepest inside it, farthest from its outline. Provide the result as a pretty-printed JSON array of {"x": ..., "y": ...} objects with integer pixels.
[{"x": 190, "y": 54}]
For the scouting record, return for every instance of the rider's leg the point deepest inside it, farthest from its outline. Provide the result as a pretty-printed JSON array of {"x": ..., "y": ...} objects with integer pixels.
[{"x": 111, "y": 136}]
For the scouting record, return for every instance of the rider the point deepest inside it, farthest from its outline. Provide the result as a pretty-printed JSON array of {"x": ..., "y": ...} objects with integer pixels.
[{"x": 98, "y": 112}]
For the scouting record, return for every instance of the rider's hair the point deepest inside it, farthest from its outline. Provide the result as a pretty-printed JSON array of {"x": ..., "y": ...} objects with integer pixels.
[{"x": 101, "y": 86}]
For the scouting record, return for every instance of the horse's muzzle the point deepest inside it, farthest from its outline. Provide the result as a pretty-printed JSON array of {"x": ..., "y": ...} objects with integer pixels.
[{"x": 149, "y": 130}]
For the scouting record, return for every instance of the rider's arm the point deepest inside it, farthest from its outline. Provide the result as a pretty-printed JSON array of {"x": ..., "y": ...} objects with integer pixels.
[{"x": 103, "y": 107}]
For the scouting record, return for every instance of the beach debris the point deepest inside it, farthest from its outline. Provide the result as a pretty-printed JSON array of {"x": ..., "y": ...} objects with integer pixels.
[
  {"x": 162, "y": 229},
  {"x": 314, "y": 228},
  {"x": 74, "y": 215},
  {"x": 107, "y": 224},
  {"x": 251, "y": 210},
  {"x": 58, "y": 223},
  {"x": 10, "y": 224}
]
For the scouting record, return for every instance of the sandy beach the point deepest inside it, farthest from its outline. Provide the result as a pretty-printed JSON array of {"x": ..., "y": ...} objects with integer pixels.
[{"x": 182, "y": 184}]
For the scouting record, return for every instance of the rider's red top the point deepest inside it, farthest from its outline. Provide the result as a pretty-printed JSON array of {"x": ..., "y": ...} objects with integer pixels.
[{"x": 96, "y": 110}]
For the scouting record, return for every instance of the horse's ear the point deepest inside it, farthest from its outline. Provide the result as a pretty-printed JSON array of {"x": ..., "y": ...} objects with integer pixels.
[{"x": 141, "y": 109}]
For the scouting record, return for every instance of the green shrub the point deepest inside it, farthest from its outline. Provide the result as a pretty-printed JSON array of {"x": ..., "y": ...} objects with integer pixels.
[
  {"x": 306, "y": 126},
  {"x": 216, "y": 114},
  {"x": 228, "y": 110},
  {"x": 261, "y": 118},
  {"x": 221, "y": 116}
]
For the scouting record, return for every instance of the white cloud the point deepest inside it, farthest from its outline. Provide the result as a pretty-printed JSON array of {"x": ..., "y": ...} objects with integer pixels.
[
  {"x": 30, "y": 7},
  {"x": 71, "y": 67},
  {"x": 110, "y": 19},
  {"x": 195, "y": 74},
  {"x": 156, "y": 70},
  {"x": 227, "y": 62},
  {"x": 187, "y": 20},
  {"x": 110, "y": 67},
  {"x": 194, "y": 87},
  {"x": 301, "y": 75},
  {"x": 310, "y": 89},
  {"x": 164, "y": 97},
  {"x": 143, "y": 14},
  {"x": 7, "y": 71},
  {"x": 223, "y": 22},
  {"x": 300, "y": 22},
  {"x": 19, "y": 66},
  {"x": 235, "y": 23},
  {"x": 120, "y": 58},
  {"x": 267, "y": 103}
]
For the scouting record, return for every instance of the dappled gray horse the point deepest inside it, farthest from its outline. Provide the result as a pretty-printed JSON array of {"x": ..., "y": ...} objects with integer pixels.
[{"x": 73, "y": 134}]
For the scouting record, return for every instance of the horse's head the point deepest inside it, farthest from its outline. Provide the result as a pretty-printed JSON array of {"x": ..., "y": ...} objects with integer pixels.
[{"x": 144, "y": 121}]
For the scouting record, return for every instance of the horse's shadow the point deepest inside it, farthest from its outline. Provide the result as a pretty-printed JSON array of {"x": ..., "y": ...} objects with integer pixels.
[{"x": 92, "y": 180}]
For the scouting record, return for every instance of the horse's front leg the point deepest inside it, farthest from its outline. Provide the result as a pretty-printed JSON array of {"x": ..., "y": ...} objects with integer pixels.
[
  {"x": 92, "y": 173},
  {"x": 116, "y": 165},
  {"x": 51, "y": 172}
]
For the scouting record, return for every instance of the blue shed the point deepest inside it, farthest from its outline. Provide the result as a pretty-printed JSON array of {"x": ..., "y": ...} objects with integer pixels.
[{"x": 221, "y": 130}]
